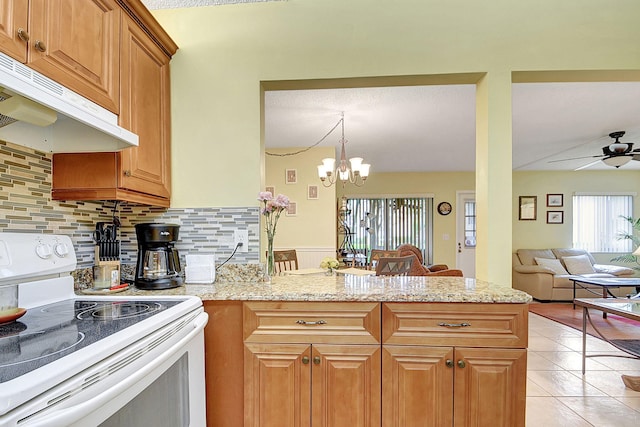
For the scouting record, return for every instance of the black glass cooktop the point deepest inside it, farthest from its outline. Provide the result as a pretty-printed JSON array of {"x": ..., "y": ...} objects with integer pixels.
[{"x": 50, "y": 332}]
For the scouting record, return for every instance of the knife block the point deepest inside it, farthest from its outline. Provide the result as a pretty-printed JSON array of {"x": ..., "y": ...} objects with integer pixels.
[{"x": 99, "y": 261}]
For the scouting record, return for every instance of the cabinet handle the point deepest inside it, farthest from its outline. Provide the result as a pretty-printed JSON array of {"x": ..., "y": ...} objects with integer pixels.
[
  {"x": 127, "y": 173},
  {"x": 40, "y": 46},
  {"x": 461, "y": 363},
  {"x": 316, "y": 360},
  {"x": 454, "y": 325},
  {"x": 317, "y": 322},
  {"x": 305, "y": 360},
  {"x": 449, "y": 363},
  {"x": 23, "y": 35}
]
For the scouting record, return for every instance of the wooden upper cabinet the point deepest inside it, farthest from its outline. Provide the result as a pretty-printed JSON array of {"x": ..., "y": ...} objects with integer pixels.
[
  {"x": 139, "y": 174},
  {"x": 76, "y": 43},
  {"x": 13, "y": 25},
  {"x": 145, "y": 110}
]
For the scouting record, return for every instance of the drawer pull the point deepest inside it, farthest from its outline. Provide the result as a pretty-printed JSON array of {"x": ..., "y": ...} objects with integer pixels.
[
  {"x": 454, "y": 325},
  {"x": 317, "y": 322}
]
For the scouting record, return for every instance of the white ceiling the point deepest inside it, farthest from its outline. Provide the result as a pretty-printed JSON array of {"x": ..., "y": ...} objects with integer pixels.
[{"x": 432, "y": 128}]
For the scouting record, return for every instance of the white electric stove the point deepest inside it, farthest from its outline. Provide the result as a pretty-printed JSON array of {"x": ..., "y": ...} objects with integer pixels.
[{"x": 94, "y": 360}]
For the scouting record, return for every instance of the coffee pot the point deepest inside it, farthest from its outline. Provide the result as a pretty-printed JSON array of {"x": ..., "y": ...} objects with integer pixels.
[{"x": 158, "y": 265}]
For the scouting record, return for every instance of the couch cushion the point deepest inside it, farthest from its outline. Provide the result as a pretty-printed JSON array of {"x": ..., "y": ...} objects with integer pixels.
[
  {"x": 565, "y": 282},
  {"x": 580, "y": 264},
  {"x": 527, "y": 256},
  {"x": 616, "y": 270},
  {"x": 563, "y": 252},
  {"x": 553, "y": 264}
]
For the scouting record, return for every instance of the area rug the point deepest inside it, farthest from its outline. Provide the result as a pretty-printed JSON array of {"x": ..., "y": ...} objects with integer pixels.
[{"x": 613, "y": 327}]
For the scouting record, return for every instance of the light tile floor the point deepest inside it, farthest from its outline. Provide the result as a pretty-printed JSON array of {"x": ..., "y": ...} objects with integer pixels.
[{"x": 557, "y": 392}]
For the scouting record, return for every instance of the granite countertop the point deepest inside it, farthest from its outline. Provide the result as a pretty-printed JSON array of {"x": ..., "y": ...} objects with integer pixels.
[{"x": 349, "y": 288}]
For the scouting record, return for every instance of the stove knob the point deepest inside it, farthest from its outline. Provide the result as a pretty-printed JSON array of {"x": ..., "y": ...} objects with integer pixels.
[
  {"x": 61, "y": 249},
  {"x": 44, "y": 250}
]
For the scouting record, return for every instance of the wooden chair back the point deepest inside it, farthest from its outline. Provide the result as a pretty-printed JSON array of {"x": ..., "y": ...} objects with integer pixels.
[
  {"x": 376, "y": 254},
  {"x": 285, "y": 260},
  {"x": 394, "y": 266}
]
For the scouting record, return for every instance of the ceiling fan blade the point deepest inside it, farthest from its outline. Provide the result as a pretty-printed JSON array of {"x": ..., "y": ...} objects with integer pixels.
[
  {"x": 576, "y": 158},
  {"x": 635, "y": 157},
  {"x": 588, "y": 165}
]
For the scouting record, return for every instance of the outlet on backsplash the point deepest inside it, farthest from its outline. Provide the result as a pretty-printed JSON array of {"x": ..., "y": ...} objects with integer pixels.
[{"x": 241, "y": 236}]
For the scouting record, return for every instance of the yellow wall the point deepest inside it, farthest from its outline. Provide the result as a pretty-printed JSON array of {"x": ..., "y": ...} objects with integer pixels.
[
  {"x": 314, "y": 224},
  {"x": 227, "y": 51},
  {"x": 539, "y": 234}
]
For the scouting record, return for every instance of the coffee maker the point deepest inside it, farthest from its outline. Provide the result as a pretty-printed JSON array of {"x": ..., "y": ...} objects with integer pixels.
[{"x": 158, "y": 265}]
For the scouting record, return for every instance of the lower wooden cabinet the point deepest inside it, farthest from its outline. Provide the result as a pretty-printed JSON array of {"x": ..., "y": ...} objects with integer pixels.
[
  {"x": 298, "y": 385},
  {"x": 445, "y": 386},
  {"x": 356, "y": 364}
]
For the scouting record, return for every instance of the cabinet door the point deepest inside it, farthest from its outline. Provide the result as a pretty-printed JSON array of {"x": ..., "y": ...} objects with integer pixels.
[
  {"x": 145, "y": 111},
  {"x": 490, "y": 387},
  {"x": 76, "y": 43},
  {"x": 277, "y": 385},
  {"x": 345, "y": 386},
  {"x": 417, "y": 386},
  {"x": 13, "y": 17}
]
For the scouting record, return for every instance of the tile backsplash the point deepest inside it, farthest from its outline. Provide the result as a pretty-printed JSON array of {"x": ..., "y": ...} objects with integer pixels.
[{"x": 26, "y": 206}]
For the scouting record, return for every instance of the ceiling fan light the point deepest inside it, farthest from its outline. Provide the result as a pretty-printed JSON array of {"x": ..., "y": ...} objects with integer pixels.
[
  {"x": 618, "y": 147},
  {"x": 616, "y": 161}
]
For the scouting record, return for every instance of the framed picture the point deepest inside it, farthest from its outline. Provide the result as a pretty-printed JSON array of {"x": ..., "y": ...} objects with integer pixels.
[
  {"x": 292, "y": 210},
  {"x": 291, "y": 176},
  {"x": 312, "y": 192},
  {"x": 527, "y": 208},
  {"x": 554, "y": 200},
  {"x": 271, "y": 189},
  {"x": 555, "y": 217}
]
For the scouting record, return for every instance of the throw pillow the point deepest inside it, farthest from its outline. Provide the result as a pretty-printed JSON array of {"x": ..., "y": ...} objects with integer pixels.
[
  {"x": 553, "y": 264},
  {"x": 580, "y": 264}
]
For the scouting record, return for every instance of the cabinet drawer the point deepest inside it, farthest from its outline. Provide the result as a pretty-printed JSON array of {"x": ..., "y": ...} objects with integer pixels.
[
  {"x": 312, "y": 322},
  {"x": 455, "y": 324}
]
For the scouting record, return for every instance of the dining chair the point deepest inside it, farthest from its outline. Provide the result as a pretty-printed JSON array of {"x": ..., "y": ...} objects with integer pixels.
[
  {"x": 394, "y": 266},
  {"x": 376, "y": 254},
  {"x": 285, "y": 260}
]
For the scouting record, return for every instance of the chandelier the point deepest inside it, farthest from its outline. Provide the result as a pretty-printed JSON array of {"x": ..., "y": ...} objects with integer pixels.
[{"x": 356, "y": 174}]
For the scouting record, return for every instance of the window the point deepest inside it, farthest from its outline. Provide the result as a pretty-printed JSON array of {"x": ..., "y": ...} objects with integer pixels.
[
  {"x": 470, "y": 224},
  {"x": 386, "y": 223},
  {"x": 597, "y": 222}
]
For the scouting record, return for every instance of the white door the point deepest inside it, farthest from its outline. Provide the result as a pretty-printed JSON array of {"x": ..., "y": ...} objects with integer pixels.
[{"x": 466, "y": 233}]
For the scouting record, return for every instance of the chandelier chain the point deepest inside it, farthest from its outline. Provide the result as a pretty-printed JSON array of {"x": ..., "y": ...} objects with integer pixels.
[{"x": 310, "y": 147}]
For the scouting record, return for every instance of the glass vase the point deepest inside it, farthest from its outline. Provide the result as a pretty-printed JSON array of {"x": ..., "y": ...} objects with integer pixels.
[{"x": 271, "y": 268}]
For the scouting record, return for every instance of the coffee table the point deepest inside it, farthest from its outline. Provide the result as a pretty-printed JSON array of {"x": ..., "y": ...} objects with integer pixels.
[
  {"x": 629, "y": 308},
  {"x": 606, "y": 283}
]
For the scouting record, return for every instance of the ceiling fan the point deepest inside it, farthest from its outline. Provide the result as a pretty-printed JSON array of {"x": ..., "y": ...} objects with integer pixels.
[{"x": 615, "y": 154}]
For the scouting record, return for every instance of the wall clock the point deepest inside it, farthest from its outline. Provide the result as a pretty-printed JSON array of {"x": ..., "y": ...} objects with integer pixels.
[{"x": 444, "y": 208}]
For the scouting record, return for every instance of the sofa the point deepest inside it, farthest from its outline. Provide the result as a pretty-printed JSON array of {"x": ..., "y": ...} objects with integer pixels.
[{"x": 543, "y": 273}]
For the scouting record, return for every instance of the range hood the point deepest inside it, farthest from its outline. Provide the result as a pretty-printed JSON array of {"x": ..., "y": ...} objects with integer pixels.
[{"x": 39, "y": 113}]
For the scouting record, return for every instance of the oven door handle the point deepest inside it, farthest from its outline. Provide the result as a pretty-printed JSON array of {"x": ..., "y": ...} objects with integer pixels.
[{"x": 68, "y": 416}]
